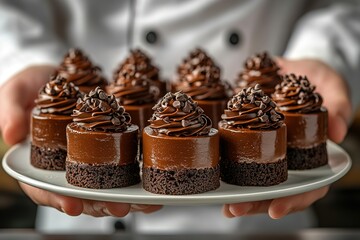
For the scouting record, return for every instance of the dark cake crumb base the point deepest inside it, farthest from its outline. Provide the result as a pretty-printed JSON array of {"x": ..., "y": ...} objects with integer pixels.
[
  {"x": 307, "y": 158},
  {"x": 48, "y": 158},
  {"x": 253, "y": 174},
  {"x": 180, "y": 182},
  {"x": 102, "y": 176}
]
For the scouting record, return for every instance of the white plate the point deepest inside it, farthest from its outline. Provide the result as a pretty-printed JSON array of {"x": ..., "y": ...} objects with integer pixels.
[{"x": 16, "y": 163}]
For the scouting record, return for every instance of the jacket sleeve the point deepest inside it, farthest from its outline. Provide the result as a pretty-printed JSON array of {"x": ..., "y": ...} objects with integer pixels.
[
  {"x": 27, "y": 37},
  {"x": 332, "y": 35}
]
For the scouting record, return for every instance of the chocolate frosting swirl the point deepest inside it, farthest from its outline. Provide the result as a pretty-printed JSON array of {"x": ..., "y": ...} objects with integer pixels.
[
  {"x": 136, "y": 81},
  {"x": 251, "y": 108},
  {"x": 199, "y": 77},
  {"x": 77, "y": 68},
  {"x": 176, "y": 114},
  {"x": 57, "y": 96},
  {"x": 296, "y": 94},
  {"x": 138, "y": 62},
  {"x": 101, "y": 112},
  {"x": 259, "y": 69}
]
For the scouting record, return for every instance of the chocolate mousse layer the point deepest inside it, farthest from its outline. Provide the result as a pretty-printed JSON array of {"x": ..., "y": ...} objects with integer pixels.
[
  {"x": 306, "y": 121},
  {"x": 199, "y": 77},
  {"x": 49, "y": 119},
  {"x": 253, "y": 140},
  {"x": 77, "y": 68},
  {"x": 259, "y": 69},
  {"x": 102, "y": 144},
  {"x": 180, "y": 149}
]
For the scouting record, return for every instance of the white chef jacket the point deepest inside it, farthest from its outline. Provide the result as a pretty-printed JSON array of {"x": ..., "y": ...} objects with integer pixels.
[{"x": 40, "y": 32}]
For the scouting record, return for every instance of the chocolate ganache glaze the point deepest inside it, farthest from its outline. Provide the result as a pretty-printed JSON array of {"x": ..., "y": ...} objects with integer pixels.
[
  {"x": 252, "y": 109},
  {"x": 98, "y": 111},
  {"x": 296, "y": 94},
  {"x": 176, "y": 114},
  {"x": 259, "y": 69},
  {"x": 57, "y": 97},
  {"x": 199, "y": 77},
  {"x": 77, "y": 68}
]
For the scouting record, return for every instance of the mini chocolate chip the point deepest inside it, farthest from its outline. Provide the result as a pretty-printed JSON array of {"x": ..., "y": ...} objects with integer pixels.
[
  {"x": 115, "y": 121},
  {"x": 184, "y": 123},
  {"x": 264, "y": 118},
  {"x": 102, "y": 95},
  {"x": 176, "y": 104},
  {"x": 266, "y": 99},
  {"x": 164, "y": 104},
  {"x": 187, "y": 107},
  {"x": 262, "y": 106},
  {"x": 180, "y": 97},
  {"x": 93, "y": 93},
  {"x": 166, "y": 119},
  {"x": 162, "y": 131}
]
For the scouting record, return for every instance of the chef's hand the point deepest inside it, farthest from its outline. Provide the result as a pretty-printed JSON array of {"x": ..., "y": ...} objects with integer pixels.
[
  {"x": 336, "y": 98},
  {"x": 16, "y": 102}
]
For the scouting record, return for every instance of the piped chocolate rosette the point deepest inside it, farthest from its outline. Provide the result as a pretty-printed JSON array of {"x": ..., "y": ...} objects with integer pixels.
[
  {"x": 176, "y": 114},
  {"x": 259, "y": 69},
  {"x": 138, "y": 62},
  {"x": 197, "y": 57},
  {"x": 296, "y": 94},
  {"x": 134, "y": 80},
  {"x": 57, "y": 96},
  {"x": 133, "y": 88},
  {"x": 199, "y": 78},
  {"x": 251, "y": 108},
  {"x": 77, "y": 68},
  {"x": 98, "y": 111}
]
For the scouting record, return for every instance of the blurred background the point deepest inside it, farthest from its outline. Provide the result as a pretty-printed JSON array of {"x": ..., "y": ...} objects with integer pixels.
[{"x": 340, "y": 208}]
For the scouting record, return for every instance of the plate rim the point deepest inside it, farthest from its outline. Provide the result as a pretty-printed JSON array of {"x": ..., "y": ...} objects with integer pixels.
[{"x": 194, "y": 199}]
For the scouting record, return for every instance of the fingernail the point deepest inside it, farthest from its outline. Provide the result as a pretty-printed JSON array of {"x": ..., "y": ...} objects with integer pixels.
[
  {"x": 137, "y": 207},
  {"x": 240, "y": 210},
  {"x": 107, "y": 212},
  {"x": 100, "y": 207}
]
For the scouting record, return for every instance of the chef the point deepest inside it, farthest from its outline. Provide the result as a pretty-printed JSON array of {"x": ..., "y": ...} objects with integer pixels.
[{"x": 319, "y": 39}]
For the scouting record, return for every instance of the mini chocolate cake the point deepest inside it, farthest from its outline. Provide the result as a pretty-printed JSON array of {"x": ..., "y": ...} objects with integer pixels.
[
  {"x": 77, "y": 68},
  {"x": 199, "y": 77},
  {"x": 252, "y": 140},
  {"x": 306, "y": 122},
  {"x": 180, "y": 148},
  {"x": 259, "y": 69},
  {"x": 135, "y": 89},
  {"x": 102, "y": 144},
  {"x": 54, "y": 105}
]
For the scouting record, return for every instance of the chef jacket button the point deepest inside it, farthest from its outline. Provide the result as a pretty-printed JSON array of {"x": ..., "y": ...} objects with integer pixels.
[
  {"x": 151, "y": 37},
  {"x": 234, "y": 38},
  {"x": 119, "y": 225}
]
